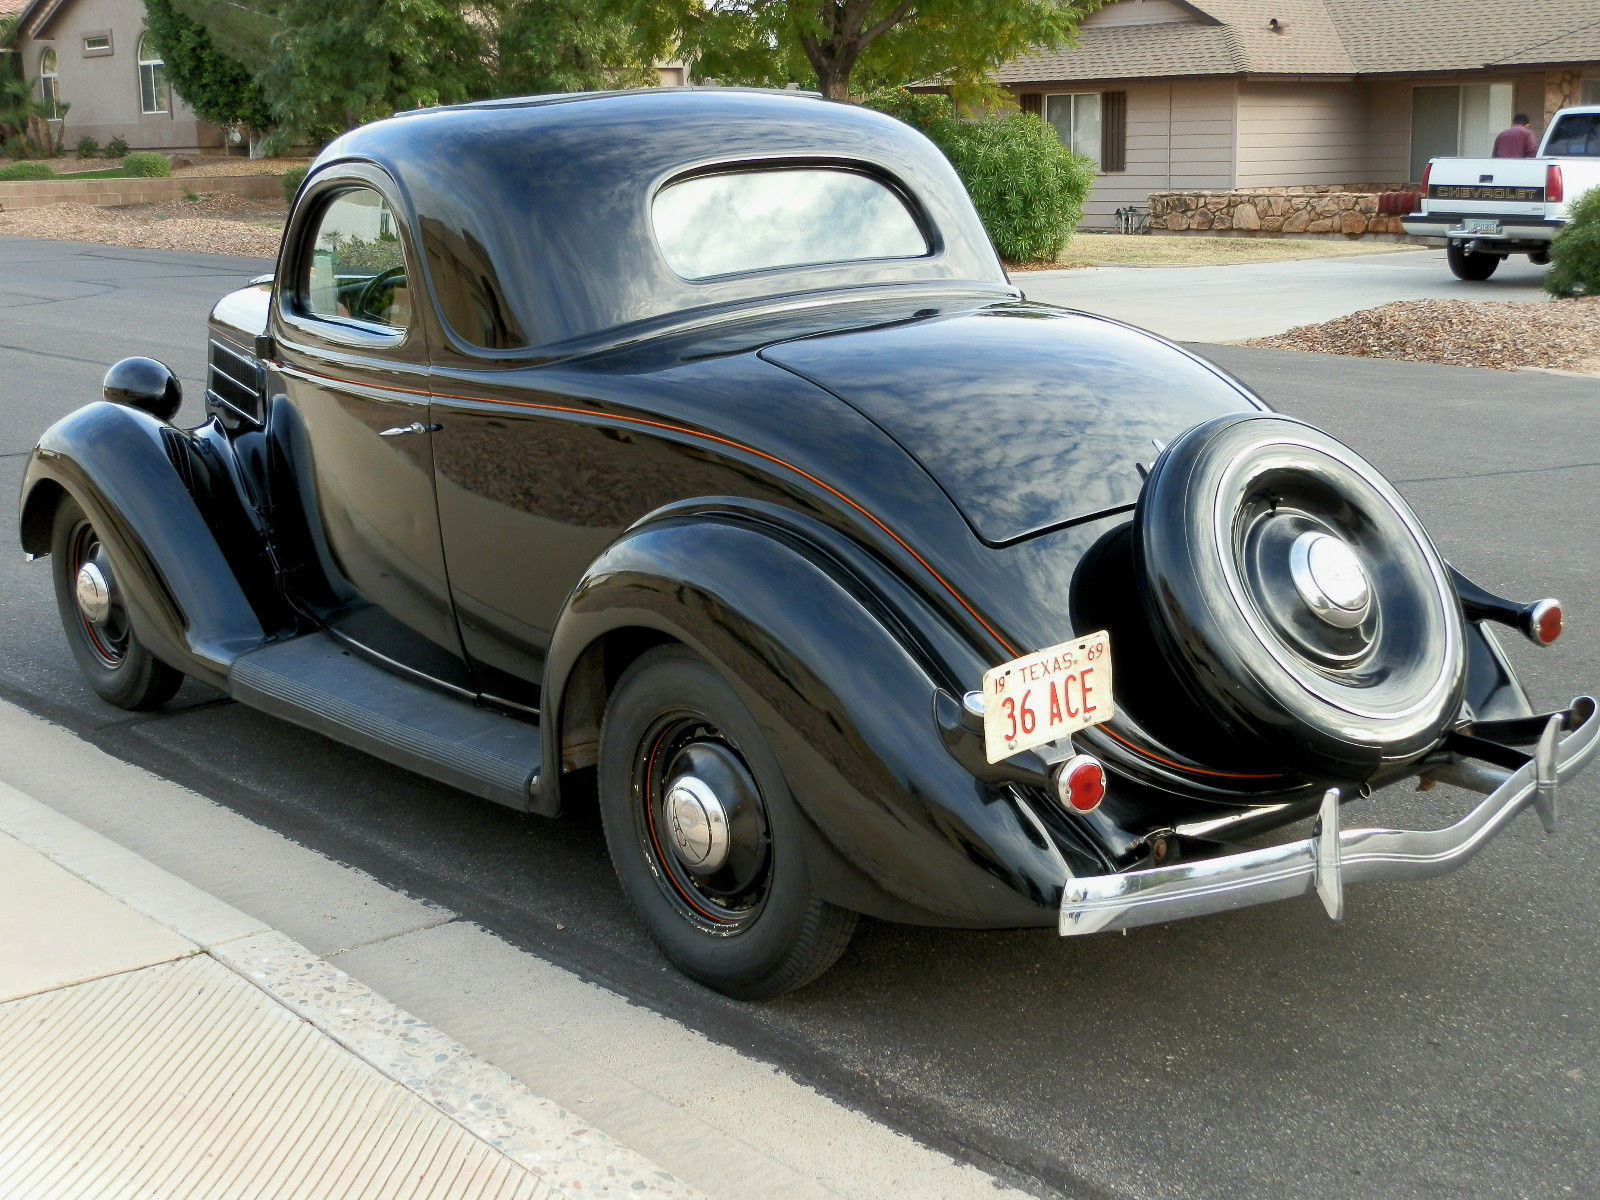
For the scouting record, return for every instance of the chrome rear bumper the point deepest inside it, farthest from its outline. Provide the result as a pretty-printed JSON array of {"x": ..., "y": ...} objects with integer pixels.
[{"x": 1333, "y": 857}]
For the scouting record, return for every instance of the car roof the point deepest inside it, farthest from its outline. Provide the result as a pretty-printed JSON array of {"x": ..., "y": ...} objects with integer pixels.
[{"x": 553, "y": 193}]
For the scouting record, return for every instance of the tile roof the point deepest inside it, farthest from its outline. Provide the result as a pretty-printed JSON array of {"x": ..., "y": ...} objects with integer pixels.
[
  {"x": 11, "y": 6},
  {"x": 1326, "y": 37}
]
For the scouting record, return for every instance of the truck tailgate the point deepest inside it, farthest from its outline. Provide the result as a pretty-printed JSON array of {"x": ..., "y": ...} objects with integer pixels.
[{"x": 1505, "y": 187}]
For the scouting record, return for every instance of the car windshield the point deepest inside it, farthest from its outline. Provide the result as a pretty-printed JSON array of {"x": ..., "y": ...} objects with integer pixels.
[
  {"x": 710, "y": 225},
  {"x": 1576, "y": 135}
]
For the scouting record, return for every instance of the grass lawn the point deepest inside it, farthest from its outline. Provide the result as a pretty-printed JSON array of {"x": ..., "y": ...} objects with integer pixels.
[{"x": 1156, "y": 250}]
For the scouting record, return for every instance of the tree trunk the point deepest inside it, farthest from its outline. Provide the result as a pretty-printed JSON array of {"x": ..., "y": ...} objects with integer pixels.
[
  {"x": 255, "y": 144},
  {"x": 833, "y": 82}
]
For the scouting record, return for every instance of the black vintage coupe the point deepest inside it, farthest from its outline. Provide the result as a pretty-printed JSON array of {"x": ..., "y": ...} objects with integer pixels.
[{"x": 692, "y": 449}]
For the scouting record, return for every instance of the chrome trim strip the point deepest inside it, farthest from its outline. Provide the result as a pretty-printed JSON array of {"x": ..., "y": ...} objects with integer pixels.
[
  {"x": 250, "y": 364},
  {"x": 1333, "y": 858},
  {"x": 399, "y": 668},
  {"x": 223, "y": 402}
]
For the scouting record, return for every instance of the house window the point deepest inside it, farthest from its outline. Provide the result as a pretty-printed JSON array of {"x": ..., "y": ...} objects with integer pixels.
[
  {"x": 1077, "y": 121},
  {"x": 153, "y": 95},
  {"x": 1449, "y": 121},
  {"x": 96, "y": 44},
  {"x": 50, "y": 85}
]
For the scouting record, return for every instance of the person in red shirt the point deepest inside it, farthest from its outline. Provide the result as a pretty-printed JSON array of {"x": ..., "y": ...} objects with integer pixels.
[{"x": 1518, "y": 141}]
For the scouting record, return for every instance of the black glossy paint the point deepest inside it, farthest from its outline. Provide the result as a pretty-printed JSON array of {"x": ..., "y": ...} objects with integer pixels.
[
  {"x": 1009, "y": 404},
  {"x": 852, "y": 488}
]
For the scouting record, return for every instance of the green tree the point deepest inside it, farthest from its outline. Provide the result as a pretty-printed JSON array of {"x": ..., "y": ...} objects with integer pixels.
[
  {"x": 871, "y": 42},
  {"x": 219, "y": 87},
  {"x": 559, "y": 46},
  {"x": 333, "y": 67}
]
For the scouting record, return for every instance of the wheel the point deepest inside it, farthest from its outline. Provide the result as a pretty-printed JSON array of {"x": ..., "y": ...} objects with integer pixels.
[
  {"x": 1298, "y": 598},
  {"x": 1473, "y": 266},
  {"x": 704, "y": 835},
  {"x": 112, "y": 658}
]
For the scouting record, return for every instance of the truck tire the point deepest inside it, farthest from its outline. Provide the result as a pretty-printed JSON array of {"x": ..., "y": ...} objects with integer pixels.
[{"x": 1473, "y": 266}]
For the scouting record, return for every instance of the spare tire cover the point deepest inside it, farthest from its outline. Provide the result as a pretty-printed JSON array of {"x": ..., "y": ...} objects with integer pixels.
[{"x": 1298, "y": 597}]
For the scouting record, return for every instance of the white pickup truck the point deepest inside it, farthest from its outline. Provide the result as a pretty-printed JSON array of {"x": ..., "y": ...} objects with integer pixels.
[{"x": 1488, "y": 208}]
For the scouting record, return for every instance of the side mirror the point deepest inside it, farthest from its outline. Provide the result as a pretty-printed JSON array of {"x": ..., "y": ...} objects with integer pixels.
[{"x": 145, "y": 384}]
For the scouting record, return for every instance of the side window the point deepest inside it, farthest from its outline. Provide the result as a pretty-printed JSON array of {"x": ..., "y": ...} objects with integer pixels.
[{"x": 356, "y": 268}]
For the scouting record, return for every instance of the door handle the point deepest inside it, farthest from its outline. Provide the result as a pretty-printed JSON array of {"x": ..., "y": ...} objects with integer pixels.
[{"x": 414, "y": 427}]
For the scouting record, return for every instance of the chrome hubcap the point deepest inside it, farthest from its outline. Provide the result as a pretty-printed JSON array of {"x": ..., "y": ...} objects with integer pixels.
[
  {"x": 94, "y": 593},
  {"x": 1330, "y": 579},
  {"x": 697, "y": 823}
]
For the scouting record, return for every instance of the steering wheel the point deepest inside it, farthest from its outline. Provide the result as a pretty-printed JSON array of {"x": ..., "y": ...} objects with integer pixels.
[{"x": 373, "y": 288}]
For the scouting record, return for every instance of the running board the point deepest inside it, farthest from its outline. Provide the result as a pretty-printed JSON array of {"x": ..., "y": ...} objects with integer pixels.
[{"x": 317, "y": 682}]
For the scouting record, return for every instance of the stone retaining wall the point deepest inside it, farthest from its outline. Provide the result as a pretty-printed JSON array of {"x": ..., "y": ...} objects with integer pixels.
[
  {"x": 1332, "y": 210},
  {"x": 104, "y": 192}
]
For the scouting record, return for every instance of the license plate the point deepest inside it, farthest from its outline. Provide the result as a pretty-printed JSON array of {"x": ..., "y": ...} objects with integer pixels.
[
  {"x": 1479, "y": 225},
  {"x": 1046, "y": 696}
]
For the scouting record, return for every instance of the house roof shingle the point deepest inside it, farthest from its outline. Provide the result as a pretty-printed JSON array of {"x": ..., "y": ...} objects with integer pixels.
[{"x": 1327, "y": 37}]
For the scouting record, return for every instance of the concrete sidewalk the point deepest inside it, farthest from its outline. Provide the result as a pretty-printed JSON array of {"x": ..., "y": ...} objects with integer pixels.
[
  {"x": 1247, "y": 300},
  {"x": 156, "y": 1042},
  {"x": 181, "y": 985}
]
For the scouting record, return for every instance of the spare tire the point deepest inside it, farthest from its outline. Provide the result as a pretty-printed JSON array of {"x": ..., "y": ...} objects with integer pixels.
[{"x": 1297, "y": 597}]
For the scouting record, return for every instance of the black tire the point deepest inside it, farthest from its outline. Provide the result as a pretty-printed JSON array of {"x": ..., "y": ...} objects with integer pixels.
[
  {"x": 751, "y": 928},
  {"x": 1474, "y": 266},
  {"x": 1299, "y": 600},
  {"x": 116, "y": 663}
]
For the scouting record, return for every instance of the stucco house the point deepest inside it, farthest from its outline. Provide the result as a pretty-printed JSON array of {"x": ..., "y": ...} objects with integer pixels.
[
  {"x": 1185, "y": 95},
  {"x": 93, "y": 56}
]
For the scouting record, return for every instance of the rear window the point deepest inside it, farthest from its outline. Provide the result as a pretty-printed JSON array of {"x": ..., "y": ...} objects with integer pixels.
[
  {"x": 1576, "y": 135},
  {"x": 756, "y": 220}
]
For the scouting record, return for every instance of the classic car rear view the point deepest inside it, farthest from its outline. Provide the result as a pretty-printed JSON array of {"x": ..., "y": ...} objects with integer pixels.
[{"x": 690, "y": 453}]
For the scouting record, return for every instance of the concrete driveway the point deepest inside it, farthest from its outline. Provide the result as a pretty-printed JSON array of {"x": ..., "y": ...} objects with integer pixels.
[{"x": 1230, "y": 304}]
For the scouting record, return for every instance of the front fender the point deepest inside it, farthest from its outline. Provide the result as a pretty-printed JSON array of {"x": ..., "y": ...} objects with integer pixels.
[
  {"x": 898, "y": 828},
  {"x": 184, "y": 599}
]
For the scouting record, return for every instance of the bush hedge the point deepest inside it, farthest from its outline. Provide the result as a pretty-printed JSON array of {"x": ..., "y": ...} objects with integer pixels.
[
  {"x": 1028, "y": 188},
  {"x": 1575, "y": 254},
  {"x": 147, "y": 164},
  {"x": 29, "y": 171},
  {"x": 88, "y": 148},
  {"x": 292, "y": 179}
]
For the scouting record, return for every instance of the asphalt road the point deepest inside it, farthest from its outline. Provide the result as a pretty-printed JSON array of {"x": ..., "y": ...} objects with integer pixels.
[{"x": 1443, "y": 1042}]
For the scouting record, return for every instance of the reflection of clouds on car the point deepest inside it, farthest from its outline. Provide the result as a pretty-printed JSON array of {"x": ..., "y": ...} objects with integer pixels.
[{"x": 711, "y": 225}]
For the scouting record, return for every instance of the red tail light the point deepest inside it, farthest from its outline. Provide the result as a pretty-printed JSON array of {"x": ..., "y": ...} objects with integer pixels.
[
  {"x": 1554, "y": 189},
  {"x": 1426, "y": 171},
  {"x": 1081, "y": 784},
  {"x": 1544, "y": 621}
]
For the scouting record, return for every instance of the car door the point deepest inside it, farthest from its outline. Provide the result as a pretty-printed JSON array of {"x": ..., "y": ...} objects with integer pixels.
[{"x": 354, "y": 356}]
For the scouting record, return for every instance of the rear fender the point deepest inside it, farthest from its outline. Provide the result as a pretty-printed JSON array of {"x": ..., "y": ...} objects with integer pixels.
[
  {"x": 898, "y": 828},
  {"x": 184, "y": 599}
]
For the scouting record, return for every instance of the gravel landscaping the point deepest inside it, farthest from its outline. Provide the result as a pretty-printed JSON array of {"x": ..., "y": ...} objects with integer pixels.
[
  {"x": 1563, "y": 335},
  {"x": 213, "y": 224}
]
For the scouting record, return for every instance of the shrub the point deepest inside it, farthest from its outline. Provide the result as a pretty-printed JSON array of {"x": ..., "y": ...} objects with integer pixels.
[
  {"x": 116, "y": 147},
  {"x": 292, "y": 179},
  {"x": 1027, "y": 187},
  {"x": 87, "y": 148},
  {"x": 146, "y": 164},
  {"x": 1575, "y": 254},
  {"x": 14, "y": 147},
  {"x": 16, "y": 172}
]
